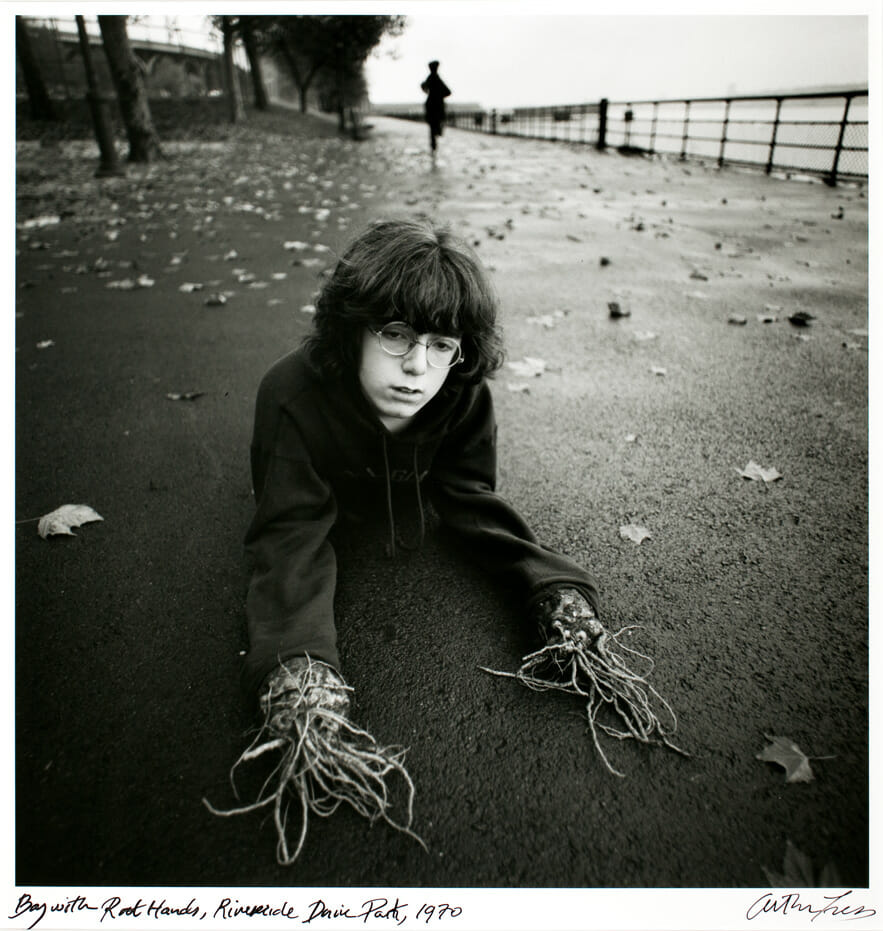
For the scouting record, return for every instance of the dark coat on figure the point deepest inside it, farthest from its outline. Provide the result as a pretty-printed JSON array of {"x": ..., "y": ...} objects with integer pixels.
[{"x": 436, "y": 90}]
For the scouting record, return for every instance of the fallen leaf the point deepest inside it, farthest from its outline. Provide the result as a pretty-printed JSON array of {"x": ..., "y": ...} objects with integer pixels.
[
  {"x": 40, "y": 222},
  {"x": 45, "y": 343},
  {"x": 62, "y": 519},
  {"x": 797, "y": 872},
  {"x": 635, "y": 533},
  {"x": 185, "y": 396},
  {"x": 215, "y": 300},
  {"x": 800, "y": 318},
  {"x": 644, "y": 336},
  {"x": 767, "y": 318},
  {"x": 189, "y": 286},
  {"x": 758, "y": 474},
  {"x": 737, "y": 319},
  {"x": 546, "y": 320},
  {"x": 308, "y": 309},
  {"x": 657, "y": 370},
  {"x": 528, "y": 367},
  {"x": 518, "y": 388},
  {"x": 787, "y": 754},
  {"x": 618, "y": 310}
]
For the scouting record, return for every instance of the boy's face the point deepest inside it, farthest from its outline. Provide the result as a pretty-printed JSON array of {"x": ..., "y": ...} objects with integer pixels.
[{"x": 398, "y": 386}]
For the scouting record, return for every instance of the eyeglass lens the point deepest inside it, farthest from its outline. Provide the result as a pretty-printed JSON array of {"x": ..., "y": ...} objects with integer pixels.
[{"x": 398, "y": 339}]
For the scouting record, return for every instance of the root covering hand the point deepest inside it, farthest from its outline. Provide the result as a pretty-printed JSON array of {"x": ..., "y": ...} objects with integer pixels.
[
  {"x": 580, "y": 656},
  {"x": 323, "y": 759}
]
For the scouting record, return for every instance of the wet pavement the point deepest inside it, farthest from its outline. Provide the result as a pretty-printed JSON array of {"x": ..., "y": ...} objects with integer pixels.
[{"x": 751, "y": 595}]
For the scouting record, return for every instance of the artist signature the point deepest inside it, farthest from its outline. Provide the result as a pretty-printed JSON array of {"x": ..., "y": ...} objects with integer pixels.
[{"x": 790, "y": 902}]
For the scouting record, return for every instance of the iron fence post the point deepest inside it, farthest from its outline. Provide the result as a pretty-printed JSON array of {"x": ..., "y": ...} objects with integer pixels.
[
  {"x": 769, "y": 164},
  {"x": 720, "y": 158},
  {"x": 831, "y": 179},
  {"x": 686, "y": 130},
  {"x": 602, "y": 124},
  {"x": 653, "y": 127}
]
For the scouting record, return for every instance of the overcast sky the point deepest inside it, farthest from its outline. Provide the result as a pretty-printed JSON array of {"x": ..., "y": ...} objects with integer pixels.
[
  {"x": 505, "y": 53},
  {"x": 512, "y": 57}
]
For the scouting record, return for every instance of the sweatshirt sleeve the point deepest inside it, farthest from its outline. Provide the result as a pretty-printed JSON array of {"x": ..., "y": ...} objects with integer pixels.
[
  {"x": 463, "y": 490},
  {"x": 291, "y": 592}
]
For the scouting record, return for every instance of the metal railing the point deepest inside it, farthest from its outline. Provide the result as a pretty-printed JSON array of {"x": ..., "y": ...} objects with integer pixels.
[{"x": 823, "y": 134}]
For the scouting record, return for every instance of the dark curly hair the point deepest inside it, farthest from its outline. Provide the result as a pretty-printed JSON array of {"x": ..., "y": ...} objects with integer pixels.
[{"x": 412, "y": 270}]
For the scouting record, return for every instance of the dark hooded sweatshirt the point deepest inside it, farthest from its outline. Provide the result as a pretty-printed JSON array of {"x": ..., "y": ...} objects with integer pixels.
[{"x": 320, "y": 451}]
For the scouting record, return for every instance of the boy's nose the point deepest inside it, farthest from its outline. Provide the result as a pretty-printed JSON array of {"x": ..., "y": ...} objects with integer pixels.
[{"x": 414, "y": 362}]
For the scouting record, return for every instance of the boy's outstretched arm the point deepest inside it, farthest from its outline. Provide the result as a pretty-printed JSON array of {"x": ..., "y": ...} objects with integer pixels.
[
  {"x": 290, "y": 601},
  {"x": 463, "y": 491},
  {"x": 578, "y": 655},
  {"x": 323, "y": 759}
]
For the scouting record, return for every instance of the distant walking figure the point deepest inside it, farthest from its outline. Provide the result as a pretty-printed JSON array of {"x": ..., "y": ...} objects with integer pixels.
[{"x": 436, "y": 90}]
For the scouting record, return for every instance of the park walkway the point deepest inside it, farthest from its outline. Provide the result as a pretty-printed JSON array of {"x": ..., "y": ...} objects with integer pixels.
[{"x": 752, "y": 594}]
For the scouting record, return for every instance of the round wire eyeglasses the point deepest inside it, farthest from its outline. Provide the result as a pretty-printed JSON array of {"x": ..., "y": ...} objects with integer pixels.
[{"x": 398, "y": 339}]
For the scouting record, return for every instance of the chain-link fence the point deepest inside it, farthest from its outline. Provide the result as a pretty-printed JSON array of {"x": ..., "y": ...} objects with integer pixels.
[{"x": 818, "y": 134}]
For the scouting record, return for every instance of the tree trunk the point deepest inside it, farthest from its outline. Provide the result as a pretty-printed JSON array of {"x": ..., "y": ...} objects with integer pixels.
[
  {"x": 301, "y": 83},
  {"x": 234, "y": 97},
  {"x": 40, "y": 103},
  {"x": 108, "y": 165},
  {"x": 341, "y": 112},
  {"x": 261, "y": 101},
  {"x": 131, "y": 91}
]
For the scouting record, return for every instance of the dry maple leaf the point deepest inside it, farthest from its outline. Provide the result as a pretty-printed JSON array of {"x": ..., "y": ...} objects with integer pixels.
[
  {"x": 797, "y": 872},
  {"x": 787, "y": 754},
  {"x": 62, "y": 519},
  {"x": 528, "y": 367},
  {"x": 758, "y": 474},
  {"x": 634, "y": 533}
]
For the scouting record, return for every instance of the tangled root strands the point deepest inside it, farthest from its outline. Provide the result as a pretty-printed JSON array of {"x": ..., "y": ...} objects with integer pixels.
[
  {"x": 325, "y": 760},
  {"x": 595, "y": 670}
]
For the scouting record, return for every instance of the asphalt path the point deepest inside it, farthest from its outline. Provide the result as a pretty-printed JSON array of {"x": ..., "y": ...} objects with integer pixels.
[{"x": 752, "y": 596}]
